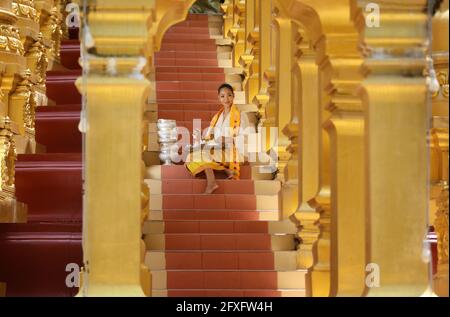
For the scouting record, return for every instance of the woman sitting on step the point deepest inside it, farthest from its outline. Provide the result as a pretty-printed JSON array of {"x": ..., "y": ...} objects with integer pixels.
[{"x": 224, "y": 142}]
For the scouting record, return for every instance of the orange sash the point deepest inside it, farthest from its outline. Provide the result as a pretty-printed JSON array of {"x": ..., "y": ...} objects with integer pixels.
[{"x": 235, "y": 123}]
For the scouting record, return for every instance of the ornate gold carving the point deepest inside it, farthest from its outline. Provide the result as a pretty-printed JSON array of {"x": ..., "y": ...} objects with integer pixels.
[
  {"x": 442, "y": 77},
  {"x": 10, "y": 39},
  {"x": 38, "y": 61},
  {"x": 26, "y": 9},
  {"x": 8, "y": 156},
  {"x": 441, "y": 224},
  {"x": 23, "y": 102}
]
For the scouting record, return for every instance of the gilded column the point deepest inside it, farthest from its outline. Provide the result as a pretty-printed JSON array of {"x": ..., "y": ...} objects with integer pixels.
[
  {"x": 124, "y": 38},
  {"x": 237, "y": 32},
  {"x": 341, "y": 249},
  {"x": 308, "y": 124},
  {"x": 439, "y": 147},
  {"x": 12, "y": 73},
  {"x": 116, "y": 90},
  {"x": 228, "y": 9},
  {"x": 246, "y": 58},
  {"x": 285, "y": 99},
  {"x": 261, "y": 84},
  {"x": 395, "y": 98},
  {"x": 31, "y": 87},
  {"x": 250, "y": 60},
  {"x": 51, "y": 27},
  {"x": 281, "y": 45}
]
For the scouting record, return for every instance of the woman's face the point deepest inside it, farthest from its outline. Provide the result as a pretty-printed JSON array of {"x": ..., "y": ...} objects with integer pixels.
[{"x": 226, "y": 97}]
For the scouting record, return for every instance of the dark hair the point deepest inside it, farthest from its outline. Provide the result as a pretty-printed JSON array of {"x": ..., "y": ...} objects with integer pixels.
[{"x": 228, "y": 86}]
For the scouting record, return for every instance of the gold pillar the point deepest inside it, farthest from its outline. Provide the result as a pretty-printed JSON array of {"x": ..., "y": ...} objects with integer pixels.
[
  {"x": 33, "y": 83},
  {"x": 330, "y": 29},
  {"x": 262, "y": 63},
  {"x": 439, "y": 148},
  {"x": 246, "y": 58},
  {"x": 395, "y": 99},
  {"x": 228, "y": 9},
  {"x": 265, "y": 24},
  {"x": 51, "y": 27},
  {"x": 306, "y": 103},
  {"x": 250, "y": 59},
  {"x": 237, "y": 32},
  {"x": 281, "y": 54},
  {"x": 12, "y": 70},
  {"x": 345, "y": 127},
  {"x": 116, "y": 91},
  {"x": 124, "y": 38},
  {"x": 286, "y": 116}
]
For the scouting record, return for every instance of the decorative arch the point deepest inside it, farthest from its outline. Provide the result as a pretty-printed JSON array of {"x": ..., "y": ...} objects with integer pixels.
[{"x": 166, "y": 14}]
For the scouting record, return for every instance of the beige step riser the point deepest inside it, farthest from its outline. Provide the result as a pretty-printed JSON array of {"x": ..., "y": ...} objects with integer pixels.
[
  {"x": 284, "y": 260},
  {"x": 286, "y": 242},
  {"x": 286, "y": 280}
]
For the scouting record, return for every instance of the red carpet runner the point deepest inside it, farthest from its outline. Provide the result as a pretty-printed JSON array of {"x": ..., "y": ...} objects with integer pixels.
[{"x": 34, "y": 255}]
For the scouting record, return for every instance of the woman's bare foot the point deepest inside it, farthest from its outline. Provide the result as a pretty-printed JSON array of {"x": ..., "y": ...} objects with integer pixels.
[
  {"x": 211, "y": 189},
  {"x": 230, "y": 173}
]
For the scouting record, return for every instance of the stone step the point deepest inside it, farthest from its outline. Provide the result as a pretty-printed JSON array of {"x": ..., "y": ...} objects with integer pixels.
[
  {"x": 180, "y": 172},
  {"x": 61, "y": 87},
  {"x": 64, "y": 119},
  {"x": 186, "y": 54},
  {"x": 214, "y": 202},
  {"x": 189, "y": 106},
  {"x": 70, "y": 53},
  {"x": 219, "y": 226},
  {"x": 50, "y": 184},
  {"x": 212, "y": 260},
  {"x": 263, "y": 215},
  {"x": 192, "y": 24},
  {"x": 187, "y": 94},
  {"x": 188, "y": 40},
  {"x": 197, "y": 186},
  {"x": 229, "y": 293},
  {"x": 164, "y": 75},
  {"x": 248, "y": 241},
  {"x": 188, "y": 30},
  {"x": 180, "y": 36},
  {"x": 186, "y": 62},
  {"x": 228, "y": 279},
  {"x": 197, "y": 17},
  {"x": 189, "y": 85},
  {"x": 189, "y": 69},
  {"x": 186, "y": 115},
  {"x": 35, "y": 256},
  {"x": 188, "y": 46}
]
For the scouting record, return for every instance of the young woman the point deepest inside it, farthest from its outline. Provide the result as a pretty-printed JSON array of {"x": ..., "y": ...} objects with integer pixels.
[{"x": 226, "y": 153}]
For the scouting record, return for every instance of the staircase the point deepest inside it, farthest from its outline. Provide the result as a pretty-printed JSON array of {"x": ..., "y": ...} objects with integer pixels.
[
  {"x": 34, "y": 255},
  {"x": 229, "y": 243}
]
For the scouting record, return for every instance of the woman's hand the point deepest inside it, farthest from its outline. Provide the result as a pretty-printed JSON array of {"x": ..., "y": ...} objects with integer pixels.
[
  {"x": 197, "y": 135},
  {"x": 226, "y": 141}
]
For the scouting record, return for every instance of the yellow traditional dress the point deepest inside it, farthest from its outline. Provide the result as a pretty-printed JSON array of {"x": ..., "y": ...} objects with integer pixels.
[{"x": 221, "y": 157}]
